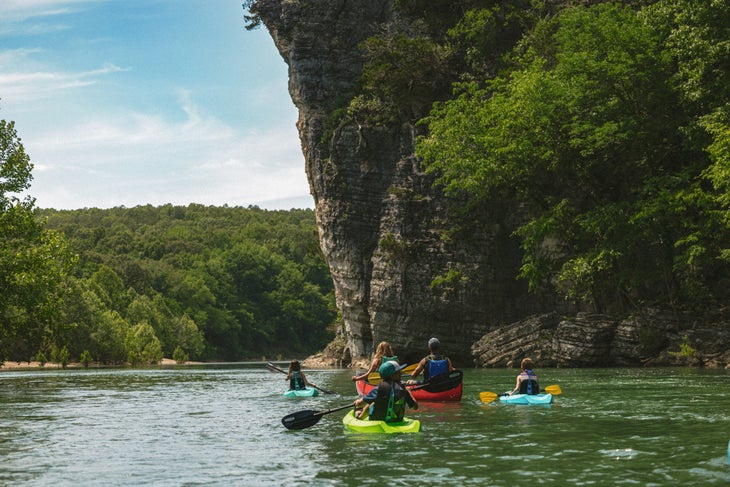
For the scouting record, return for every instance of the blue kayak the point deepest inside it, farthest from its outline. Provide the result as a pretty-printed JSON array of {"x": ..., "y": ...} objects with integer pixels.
[
  {"x": 527, "y": 399},
  {"x": 306, "y": 392}
]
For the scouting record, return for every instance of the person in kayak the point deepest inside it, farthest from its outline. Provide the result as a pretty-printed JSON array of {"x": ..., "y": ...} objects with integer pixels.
[
  {"x": 389, "y": 400},
  {"x": 527, "y": 382},
  {"x": 432, "y": 364},
  {"x": 383, "y": 354},
  {"x": 297, "y": 379}
]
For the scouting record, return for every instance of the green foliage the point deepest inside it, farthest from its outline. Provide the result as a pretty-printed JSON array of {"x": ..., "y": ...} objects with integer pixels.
[
  {"x": 85, "y": 359},
  {"x": 41, "y": 358},
  {"x": 597, "y": 128},
  {"x": 60, "y": 356},
  {"x": 404, "y": 72},
  {"x": 180, "y": 356},
  {"x": 204, "y": 282},
  {"x": 686, "y": 350},
  {"x": 142, "y": 345},
  {"x": 33, "y": 259}
]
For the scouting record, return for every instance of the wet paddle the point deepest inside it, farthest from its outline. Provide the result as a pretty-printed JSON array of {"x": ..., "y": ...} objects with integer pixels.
[
  {"x": 374, "y": 377},
  {"x": 491, "y": 396},
  {"x": 276, "y": 368},
  {"x": 308, "y": 417}
]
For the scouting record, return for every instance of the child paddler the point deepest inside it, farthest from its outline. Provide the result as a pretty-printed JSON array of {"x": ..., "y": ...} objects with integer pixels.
[
  {"x": 297, "y": 380},
  {"x": 527, "y": 382},
  {"x": 389, "y": 400}
]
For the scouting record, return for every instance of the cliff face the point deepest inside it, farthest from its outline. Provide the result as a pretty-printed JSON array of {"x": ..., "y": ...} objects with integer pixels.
[
  {"x": 402, "y": 270},
  {"x": 381, "y": 223}
]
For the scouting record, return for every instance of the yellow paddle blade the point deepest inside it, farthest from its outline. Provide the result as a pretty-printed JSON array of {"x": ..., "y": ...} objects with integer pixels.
[
  {"x": 488, "y": 396},
  {"x": 409, "y": 370},
  {"x": 374, "y": 378},
  {"x": 554, "y": 390}
]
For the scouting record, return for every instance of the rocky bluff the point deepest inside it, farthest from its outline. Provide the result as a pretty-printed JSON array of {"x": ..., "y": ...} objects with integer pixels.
[{"x": 400, "y": 272}]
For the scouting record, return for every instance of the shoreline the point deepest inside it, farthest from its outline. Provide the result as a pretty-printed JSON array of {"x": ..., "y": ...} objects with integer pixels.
[{"x": 34, "y": 365}]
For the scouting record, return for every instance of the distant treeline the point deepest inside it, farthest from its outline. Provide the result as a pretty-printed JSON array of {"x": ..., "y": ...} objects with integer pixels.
[{"x": 188, "y": 282}]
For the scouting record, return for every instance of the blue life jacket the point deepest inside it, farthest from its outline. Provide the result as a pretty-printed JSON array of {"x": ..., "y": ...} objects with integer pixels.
[
  {"x": 529, "y": 384},
  {"x": 296, "y": 382},
  {"x": 435, "y": 365}
]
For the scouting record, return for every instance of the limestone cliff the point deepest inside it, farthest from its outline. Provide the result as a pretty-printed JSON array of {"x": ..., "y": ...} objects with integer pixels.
[
  {"x": 381, "y": 223},
  {"x": 402, "y": 270}
]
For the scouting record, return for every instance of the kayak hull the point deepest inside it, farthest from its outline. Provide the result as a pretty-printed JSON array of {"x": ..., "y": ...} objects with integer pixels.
[
  {"x": 306, "y": 392},
  {"x": 453, "y": 394},
  {"x": 372, "y": 426},
  {"x": 527, "y": 399}
]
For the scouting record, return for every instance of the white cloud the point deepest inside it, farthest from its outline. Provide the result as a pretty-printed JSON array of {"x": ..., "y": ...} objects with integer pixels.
[{"x": 141, "y": 158}]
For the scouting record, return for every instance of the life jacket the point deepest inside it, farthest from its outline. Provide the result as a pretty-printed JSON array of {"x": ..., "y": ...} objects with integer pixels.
[
  {"x": 384, "y": 359},
  {"x": 529, "y": 384},
  {"x": 296, "y": 382},
  {"x": 390, "y": 404},
  {"x": 435, "y": 365}
]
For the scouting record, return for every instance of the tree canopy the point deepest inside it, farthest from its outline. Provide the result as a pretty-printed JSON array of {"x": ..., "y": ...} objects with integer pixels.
[{"x": 610, "y": 125}]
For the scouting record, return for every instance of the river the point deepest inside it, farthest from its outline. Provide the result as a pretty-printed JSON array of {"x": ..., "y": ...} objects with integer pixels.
[{"x": 220, "y": 424}]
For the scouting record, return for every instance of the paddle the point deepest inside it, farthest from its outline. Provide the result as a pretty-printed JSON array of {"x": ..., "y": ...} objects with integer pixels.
[
  {"x": 491, "y": 396},
  {"x": 441, "y": 382},
  {"x": 276, "y": 368},
  {"x": 374, "y": 377},
  {"x": 308, "y": 417}
]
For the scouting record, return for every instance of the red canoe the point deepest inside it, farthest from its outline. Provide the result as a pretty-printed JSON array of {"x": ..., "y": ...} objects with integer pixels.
[{"x": 438, "y": 392}]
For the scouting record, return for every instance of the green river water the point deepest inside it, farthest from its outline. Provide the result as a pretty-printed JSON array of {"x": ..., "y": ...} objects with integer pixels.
[{"x": 220, "y": 425}]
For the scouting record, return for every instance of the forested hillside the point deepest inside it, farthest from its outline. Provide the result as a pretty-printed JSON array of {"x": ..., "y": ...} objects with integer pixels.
[
  {"x": 207, "y": 282},
  {"x": 191, "y": 283}
]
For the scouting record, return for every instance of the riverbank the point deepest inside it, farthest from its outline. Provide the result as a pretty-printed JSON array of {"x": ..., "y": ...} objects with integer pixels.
[{"x": 33, "y": 365}]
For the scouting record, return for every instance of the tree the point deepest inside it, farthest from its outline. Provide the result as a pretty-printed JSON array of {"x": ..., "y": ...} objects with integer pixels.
[
  {"x": 33, "y": 260},
  {"x": 585, "y": 132}
]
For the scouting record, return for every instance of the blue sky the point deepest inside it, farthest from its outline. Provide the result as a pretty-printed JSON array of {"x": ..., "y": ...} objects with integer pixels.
[{"x": 130, "y": 102}]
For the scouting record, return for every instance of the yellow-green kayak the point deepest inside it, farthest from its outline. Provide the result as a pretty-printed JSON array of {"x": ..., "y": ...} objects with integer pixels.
[{"x": 373, "y": 426}]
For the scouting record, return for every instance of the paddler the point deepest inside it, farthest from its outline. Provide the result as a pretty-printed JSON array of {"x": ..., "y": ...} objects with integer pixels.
[
  {"x": 432, "y": 364},
  {"x": 527, "y": 382},
  {"x": 388, "y": 401}
]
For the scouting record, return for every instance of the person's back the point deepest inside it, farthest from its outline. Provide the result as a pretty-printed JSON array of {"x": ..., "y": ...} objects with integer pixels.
[
  {"x": 388, "y": 401},
  {"x": 390, "y": 405},
  {"x": 435, "y": 365},
  {"x": 529, "y": 383},
  {"x": 296, "y": 381}
]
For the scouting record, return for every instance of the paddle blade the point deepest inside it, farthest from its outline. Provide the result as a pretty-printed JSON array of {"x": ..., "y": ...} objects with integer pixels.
[
  {"x": 301, "y": 419},
  {"x": 409, "y": 370},
  {"x": 488, "y": 396},
  {"x": 374, "y": 377},
  {"x": 554, "y": 390},
  {"x": 274, "y": 368}
]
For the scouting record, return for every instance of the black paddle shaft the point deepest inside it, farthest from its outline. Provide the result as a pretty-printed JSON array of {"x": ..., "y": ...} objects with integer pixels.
[
  {"x": 442, "y": 382},
  {"x": 308, "y": 417}
]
